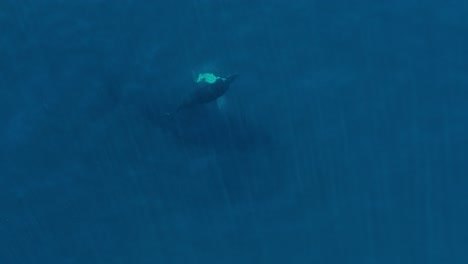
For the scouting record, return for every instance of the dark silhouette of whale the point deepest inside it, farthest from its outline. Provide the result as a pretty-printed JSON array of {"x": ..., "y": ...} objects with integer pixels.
[{"x": 208, "y": 89}]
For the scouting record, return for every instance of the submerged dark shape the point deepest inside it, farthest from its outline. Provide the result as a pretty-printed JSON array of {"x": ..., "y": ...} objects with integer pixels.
[
  {"x": 198, "y": 124},
  {"x": 207, "y": 90},
  {"x": 206, "y": 128}
]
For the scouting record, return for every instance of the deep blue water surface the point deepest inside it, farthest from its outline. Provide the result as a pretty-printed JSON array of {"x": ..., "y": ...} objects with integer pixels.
[{"x": 345, "y": 139}]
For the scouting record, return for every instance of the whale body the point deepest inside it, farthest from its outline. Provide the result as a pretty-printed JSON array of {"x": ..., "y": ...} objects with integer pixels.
[{"x": 208, "y": 89}]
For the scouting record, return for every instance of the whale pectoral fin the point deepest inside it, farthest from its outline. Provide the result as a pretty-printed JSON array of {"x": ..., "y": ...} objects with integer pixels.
[{"x": 221, "y": 103}]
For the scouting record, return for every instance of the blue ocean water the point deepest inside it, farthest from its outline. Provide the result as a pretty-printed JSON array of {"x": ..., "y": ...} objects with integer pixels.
[{"x": 344, "y": 140}]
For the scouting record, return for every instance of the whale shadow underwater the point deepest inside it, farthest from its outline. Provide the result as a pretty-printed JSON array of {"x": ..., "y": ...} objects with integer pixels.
[{"x": 207, "y": 127}]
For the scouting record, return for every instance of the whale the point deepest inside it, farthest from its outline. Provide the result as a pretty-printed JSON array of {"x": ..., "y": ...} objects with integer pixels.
[{"x": 208, "y": 88}]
